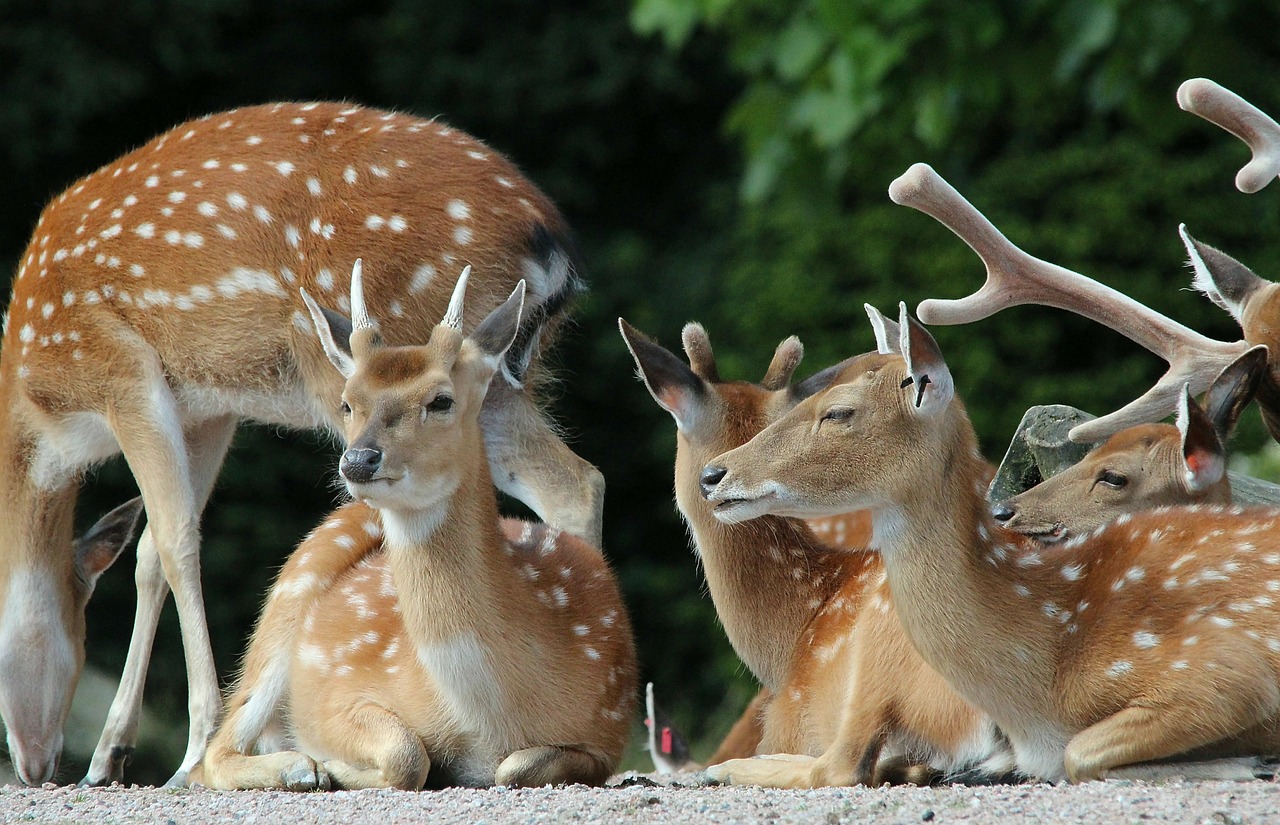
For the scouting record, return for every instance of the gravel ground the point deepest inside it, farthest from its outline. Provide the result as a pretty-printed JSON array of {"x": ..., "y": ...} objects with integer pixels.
[{"x": 1109, "y": 802}]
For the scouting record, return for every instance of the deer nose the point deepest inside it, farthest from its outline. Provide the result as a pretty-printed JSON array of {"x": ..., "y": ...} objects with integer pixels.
[
  {"x": 360, "y": 464},
  {"x": 711, "y": 476},
  {"x": 1003, "y": 511}
]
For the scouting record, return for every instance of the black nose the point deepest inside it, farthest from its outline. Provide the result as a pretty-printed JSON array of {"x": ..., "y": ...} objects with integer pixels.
[
  {"x": 360, "y": 464},
  {"x": 1002, "y": 511},
  {"x": 711, "y": 476}
]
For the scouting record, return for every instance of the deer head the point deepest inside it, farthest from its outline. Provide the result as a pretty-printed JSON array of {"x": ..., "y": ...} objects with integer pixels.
[{"x": 398, "y": 400}]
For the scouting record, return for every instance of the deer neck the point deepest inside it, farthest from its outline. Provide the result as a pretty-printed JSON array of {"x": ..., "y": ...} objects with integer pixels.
[
  {"x": 449, "y": 572},
  {"x": 768, "y": 578},
  {"x": 983, "y": 606}
]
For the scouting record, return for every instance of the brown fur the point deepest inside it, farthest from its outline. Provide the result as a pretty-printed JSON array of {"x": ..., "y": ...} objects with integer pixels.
[{"x": 158, "y": 299}]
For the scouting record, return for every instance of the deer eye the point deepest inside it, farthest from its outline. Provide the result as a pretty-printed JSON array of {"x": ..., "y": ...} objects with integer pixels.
[
  {"x": 1112, "y": 479},
  {"x": 440, "y": 403},
  {"x": 837, "y": 414}
]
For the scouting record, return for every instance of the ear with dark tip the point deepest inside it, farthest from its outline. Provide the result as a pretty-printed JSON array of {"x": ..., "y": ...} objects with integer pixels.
[
  {"x": 932, "y": 387},
  {"x": 1203, "y": 457},
  {"x": 820, "y": 380},
  {"x": 785, "y": 360},
  {"x": 103, "y": 543},
  {"x": 888, "y": 334},
  {"x": 334, "y": 331},
  {"x": 697, "y": 346},
  {"x": 676, "y": 388},
  {"x": 1227, "y": 282},
  {"x": 1233, "y": 389},
  {"x": 497, "y": 332}
]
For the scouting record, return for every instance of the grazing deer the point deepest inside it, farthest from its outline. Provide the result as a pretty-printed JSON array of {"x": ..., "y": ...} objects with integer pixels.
[
  {"x": 1153, "y": 640},
  {"x": 1141, "y": 467},
  {"x": 157, "y": 306},
  {"x": 416, "y": 629},
  {"x": 91, "y": 554},
  {"x": 812, "y": 623}
]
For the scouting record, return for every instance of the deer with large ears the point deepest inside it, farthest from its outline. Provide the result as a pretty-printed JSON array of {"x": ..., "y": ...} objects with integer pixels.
[
  {"x": 415, "y": 631},
  {"x": 92, "y": 553},
  {"x": 156, "y": 306},
  {"x": 1154, "y": 640},
  {"x": 850, "y": 696},
  {"x": 1143, "y": 466}
]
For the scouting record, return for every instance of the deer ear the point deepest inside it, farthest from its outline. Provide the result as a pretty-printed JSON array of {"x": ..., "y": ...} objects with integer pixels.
[
  {"x": 1233, "y": 389},
  {"x": 931, "y": 384},
  {"x": 334, "y": 331},
  {"x": 675, "y": 387},
  {"x": 1224, "y": 280},
  {"x": 103, "y": 543},
  {"x": 888, "y": 334},
  {"x": 1202, "y": 455},
  {"x": 497, "y": 332}
]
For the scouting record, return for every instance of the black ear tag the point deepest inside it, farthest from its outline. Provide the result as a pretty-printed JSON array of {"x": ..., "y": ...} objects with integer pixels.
[
  {"x": 906, "y": 382},
  {"x": 924, "y": 382}
]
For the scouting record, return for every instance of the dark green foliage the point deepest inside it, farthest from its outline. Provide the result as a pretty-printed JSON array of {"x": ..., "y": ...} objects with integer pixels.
[{"x": 733, "y": 171}]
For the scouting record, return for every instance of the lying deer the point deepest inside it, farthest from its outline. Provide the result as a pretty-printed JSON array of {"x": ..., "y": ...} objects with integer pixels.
[
  {"x": 1141, "y": 467},
  {"x": 415, "y": 630},
  {"x": 156, "y": 306},
  {"x": 812, "y": 623},
  {"x": 1155, "y": 641}
]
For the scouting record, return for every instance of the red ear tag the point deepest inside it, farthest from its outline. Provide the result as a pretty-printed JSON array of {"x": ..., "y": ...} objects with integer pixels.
[
  {"x": 666, "y": 740},
  {"x": 1195, "y": 462}
]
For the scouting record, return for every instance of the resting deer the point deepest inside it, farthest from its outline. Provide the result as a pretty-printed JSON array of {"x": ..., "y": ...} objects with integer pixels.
[
  {"x": 415, "y": 630},
  {"x": 1155, "y": 640},
  {"x": 1141, "y": 467},
  {"x": 156, "y": 306},
  {"x": 812, "y": 623}
]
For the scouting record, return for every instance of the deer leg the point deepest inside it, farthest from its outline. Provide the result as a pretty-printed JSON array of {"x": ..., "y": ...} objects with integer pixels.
[
  {"x": 148, "y": 427},
  {"x": 849, "y": 760},
  {"x": 530, "y": 462},
  {"x": 553, "y": 765},
  {"x": 206, "y": 445},
  {"x": 1238, "y": 769},
  {"x": 395, "y": 756}
]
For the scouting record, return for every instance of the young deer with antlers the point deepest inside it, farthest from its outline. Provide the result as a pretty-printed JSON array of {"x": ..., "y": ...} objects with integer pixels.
[
  {"x": 156, "y": 306},
  {"x": 812, "y": 623},
  {"x": 1154, "y": 640},
  {"x": 415, "y": 630}
]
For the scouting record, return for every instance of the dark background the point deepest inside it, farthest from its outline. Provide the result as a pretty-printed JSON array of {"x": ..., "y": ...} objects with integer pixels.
[{"x": 720, "y": 162}]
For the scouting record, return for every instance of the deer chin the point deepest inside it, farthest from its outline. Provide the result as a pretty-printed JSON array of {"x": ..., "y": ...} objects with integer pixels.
[
  {"x": 1052, "y": 534},
  {"x": 735, "y": 510}
]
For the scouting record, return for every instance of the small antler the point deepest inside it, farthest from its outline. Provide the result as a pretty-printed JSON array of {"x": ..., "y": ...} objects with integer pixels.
[
  {"x": 785, "y": 360},
  {"x": 1014, "y": 277},
  {"x": 359, "y": 312},
  {"x": 453, "y": 315},
  {"x": 697, "y": 346},
  {"x": 1244, "y": 120}
]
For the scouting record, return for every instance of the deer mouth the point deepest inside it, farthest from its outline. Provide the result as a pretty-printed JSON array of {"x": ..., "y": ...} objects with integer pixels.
[
  {"x": 731, "y": 510},
  {"x": 1048, "y": 535}
]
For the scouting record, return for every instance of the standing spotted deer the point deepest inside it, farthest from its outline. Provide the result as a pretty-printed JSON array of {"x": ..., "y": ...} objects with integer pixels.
[
  {"x": 849, "y": 695},
  {"x": 415, "y": 630},
  {"x": 157, "y": 305},
  {"x": 1151, "y": 640}
]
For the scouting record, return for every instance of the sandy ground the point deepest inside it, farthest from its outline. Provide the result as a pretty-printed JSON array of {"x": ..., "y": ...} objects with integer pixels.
[{"x": 636, "y": 800}]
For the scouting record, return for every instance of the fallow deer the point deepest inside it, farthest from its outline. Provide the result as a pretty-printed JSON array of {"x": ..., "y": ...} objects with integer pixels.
[
  {"x": 156, "y": 306},
  {"x": 1141, "y": 467},
  {"x": 813, "y": 623},
  {"x": 415, "y": 630},
  {"x": 91, "y": 554},
  {"x": 1153, "y": 640}
]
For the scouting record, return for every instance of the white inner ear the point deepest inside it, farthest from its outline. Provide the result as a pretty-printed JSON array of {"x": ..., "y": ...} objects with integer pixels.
[
  {"x": 1212, "y": 471},
  {"x": 1203, "y": 278},
  {"x": 927, "y": 396},
  {"x": 340, "y": 359}
]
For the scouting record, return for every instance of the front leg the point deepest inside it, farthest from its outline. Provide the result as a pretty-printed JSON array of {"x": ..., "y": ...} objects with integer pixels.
[
  {"x": 553, "y": 765},
  {"x": 531, "y": 463}
]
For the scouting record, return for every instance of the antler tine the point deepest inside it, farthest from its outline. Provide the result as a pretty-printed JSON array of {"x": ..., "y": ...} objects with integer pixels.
[
  {"x": 1015, "y": 277},
  {"x": 359, "y": 312},
  {"x": 1241, "y": 118}
]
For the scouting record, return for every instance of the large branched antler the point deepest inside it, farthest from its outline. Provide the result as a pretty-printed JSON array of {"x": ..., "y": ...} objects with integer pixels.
[
  {"x": 1014, "y": 277},
  {"x": 1244, "y": 120}
]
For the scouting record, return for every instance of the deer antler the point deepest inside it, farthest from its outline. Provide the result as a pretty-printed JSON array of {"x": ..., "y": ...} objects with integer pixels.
[
  {"x": 1244, "y": 120},
  {"x": 1014, "y": 277}
]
